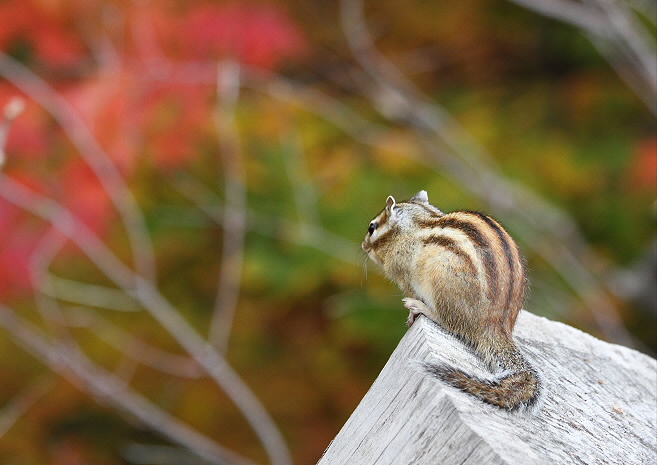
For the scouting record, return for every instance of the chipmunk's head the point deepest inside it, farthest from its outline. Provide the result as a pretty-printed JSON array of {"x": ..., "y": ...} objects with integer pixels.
[{"x": 394, "y": 223}]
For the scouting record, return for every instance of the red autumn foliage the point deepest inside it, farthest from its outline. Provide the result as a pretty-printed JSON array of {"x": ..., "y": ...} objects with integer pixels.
[
  {"x": 14, "y": 259},
  {"x": 40, "y": 28},
  {"x": 78, "y": 189},
  {"x": 83, "y": 194},
  {"x": 255, "y": 34},
  {"x": 133, "y": 117},
  {"x": 130, "y": 110},
  {"x": 109, "y": 107},
  {"x": 259, "y": 35},
  {"x": 28, "y": 138},
  {"x": 20, "y": 235}
]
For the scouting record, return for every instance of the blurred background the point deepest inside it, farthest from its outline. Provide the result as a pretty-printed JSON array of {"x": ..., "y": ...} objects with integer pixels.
[{"x": 185, "y": 186}]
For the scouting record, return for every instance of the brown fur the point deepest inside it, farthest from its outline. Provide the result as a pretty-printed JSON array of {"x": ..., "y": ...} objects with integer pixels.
[{"x": 464, "y": 271}]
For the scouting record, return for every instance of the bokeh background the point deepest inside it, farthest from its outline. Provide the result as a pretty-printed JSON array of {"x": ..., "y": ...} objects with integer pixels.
[{"x": 187, "y": 173}]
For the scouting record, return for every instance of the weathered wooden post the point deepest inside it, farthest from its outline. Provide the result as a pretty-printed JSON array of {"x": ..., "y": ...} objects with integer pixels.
[{"x": 600, "y": 406}]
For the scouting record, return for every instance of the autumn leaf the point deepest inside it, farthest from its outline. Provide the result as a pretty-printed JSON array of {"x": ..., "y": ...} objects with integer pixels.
[
  {"x": 83, "y": 194},
  {"x": 255, "y": 34},
  {"x": 19, "y": 237},
  {"x": 47, "y": 35}
]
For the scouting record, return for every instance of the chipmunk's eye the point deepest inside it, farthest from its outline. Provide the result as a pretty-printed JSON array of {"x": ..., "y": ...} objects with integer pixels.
[{"x": 373, "y": 226}]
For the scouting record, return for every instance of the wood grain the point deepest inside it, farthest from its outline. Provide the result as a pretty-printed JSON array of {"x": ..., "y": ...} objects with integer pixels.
[{"x": 600, "y": 406}]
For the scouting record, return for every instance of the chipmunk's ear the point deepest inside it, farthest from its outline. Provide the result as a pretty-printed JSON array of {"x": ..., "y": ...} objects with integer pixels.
[
  {"x": 420, "y": 197},
  {"x": 393, "y": 215}
]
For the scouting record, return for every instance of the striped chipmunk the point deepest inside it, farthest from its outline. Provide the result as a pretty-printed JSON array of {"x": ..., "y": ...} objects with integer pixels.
[{"x": 463, "y": 271}]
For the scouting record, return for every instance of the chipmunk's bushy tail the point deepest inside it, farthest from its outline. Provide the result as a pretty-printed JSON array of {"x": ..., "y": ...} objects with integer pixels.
[{"x": 514, "y": 389}]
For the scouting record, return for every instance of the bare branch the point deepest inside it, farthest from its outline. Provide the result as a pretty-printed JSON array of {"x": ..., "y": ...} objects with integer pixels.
[
  {"x": 64, "y": 221},
  {"x": 310, "y": 235},
  {"x": 637, "y": 45},
  {"x": 94, "y": 156},
  {"x": 234, "y": 216},
  {"x": 91, "y": 295},
  {"x": 305, "y": 195},
  {"x": 571, "y": 12},
  {"x": 133, "y": 347},
  {"x": 45, "y": 251},
  {"x": 102, "y": 384},
  {"x": 616, "y": 33},
  {"x": 145, "y": 292},
  {"x": 646, "y": 8}
]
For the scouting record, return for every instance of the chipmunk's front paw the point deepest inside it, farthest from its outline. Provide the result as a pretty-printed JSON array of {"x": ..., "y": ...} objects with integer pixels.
[{"x": 416, "y": 308}]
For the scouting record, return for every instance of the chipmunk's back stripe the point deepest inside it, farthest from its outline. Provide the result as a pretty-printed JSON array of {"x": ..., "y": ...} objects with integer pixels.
[
  {"x": 451, "y": 245},
  {"x": 510, "y": 262},
  {"x": 430, "y": 223},
  {"x": 484, "y": 250}
]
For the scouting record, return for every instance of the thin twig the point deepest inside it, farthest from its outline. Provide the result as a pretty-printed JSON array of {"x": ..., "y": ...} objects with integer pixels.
[
  {"x": 104, "y": 385},
  {"x": 45, "y": 251},
  {"x": 132, "y": 346},
  {"x": 91, "y": 295},
  {"x": 646, "y": 8},
  {"x": 635, "y": 43},
  {"x": 618, "y": 36},
  {"x": 160, "y": 308},
  {"x": 270, "y": 225},
  {"x": 93, "y": 154},
  {"x": 234, "y": 221},
  {"x": 571, "y": 12},
  {"x": 305, "y": 195}
]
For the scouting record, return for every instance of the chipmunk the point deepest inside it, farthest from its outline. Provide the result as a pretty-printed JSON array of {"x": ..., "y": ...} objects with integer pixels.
[{"x": 463, "y": 271}]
